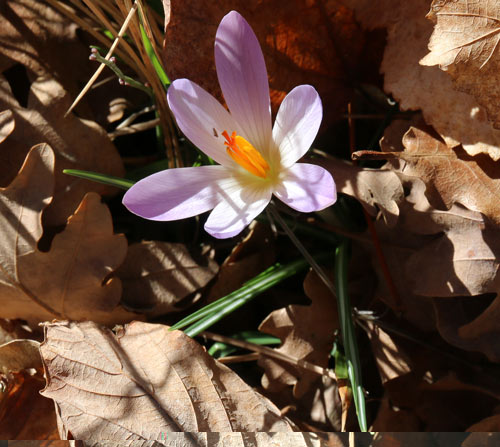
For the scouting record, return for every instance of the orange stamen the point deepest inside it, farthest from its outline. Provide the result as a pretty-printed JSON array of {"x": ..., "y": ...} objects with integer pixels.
[{"x": 243, "y": 153}]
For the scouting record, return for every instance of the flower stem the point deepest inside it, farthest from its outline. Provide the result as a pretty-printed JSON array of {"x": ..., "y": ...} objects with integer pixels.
[{"x": 345, "y": 313}]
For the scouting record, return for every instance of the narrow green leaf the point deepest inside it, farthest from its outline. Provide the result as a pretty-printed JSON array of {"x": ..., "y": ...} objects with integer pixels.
[
  {"x": 119, "y": 182},
  {"x": 220, "y": 349},
  {"x": 348, "y": 333},
  {"x": 162, "y": 75}
]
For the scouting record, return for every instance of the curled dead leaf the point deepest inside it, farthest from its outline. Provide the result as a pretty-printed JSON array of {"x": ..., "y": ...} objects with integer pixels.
[
  {"x": 71, "y": 279},
  {"x": 455, "y": 115},
  {"x": 465, "y": 45}
]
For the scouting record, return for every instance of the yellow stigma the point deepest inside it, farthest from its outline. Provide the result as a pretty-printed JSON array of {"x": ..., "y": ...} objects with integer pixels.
[{"x": 243, "y": 153}]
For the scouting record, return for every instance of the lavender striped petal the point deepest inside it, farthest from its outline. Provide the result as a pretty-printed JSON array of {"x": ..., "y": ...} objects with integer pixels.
[
  {"x": 307, "y": 188},
  {"x": 297, "y": 123},
  {"x": 179, "y": 193},
  {"x": 201, "y": 118},
  {"x": 243, "y": 79},
  {"x": 236, "y": 211}
]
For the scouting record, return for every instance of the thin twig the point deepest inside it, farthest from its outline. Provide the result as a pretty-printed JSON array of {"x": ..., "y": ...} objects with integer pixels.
[
  {"x": 312, "y": 262},
  {"x": 107, "y": 57},
  {"x": 240, "y": 358},
  {"x": 371, "y": 227},
  {"x": 134, "y": 128},
  {"x": 270, "y": 352}
]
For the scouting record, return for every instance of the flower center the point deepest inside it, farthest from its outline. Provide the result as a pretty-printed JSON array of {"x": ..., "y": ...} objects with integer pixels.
[{"x": 243, "y": 153}]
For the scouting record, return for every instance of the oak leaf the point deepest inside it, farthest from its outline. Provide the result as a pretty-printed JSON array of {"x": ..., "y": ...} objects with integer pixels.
[
  {"x": 465, "y": 44},
  {"x": 451, "y": 175},
  {"x": 455, "y": 115},
  {"x": 321, "y": 45},
  {"x": 77, "y": 143},
  {"x": 70, "y": 280},
  {"x": 143, "y": 381},
  {"x": 306, "y": 332}
]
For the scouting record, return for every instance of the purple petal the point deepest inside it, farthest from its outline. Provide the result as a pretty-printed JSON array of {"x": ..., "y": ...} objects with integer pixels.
[
  {"x": 179, "y": 193},
  {"x": 297, "y": 123},
  {"x": 236, "y": 211},
  {"x": 307, "y": 188},
  {"x": 243, "y": 79},
  {"x": 201, "y": 118}
]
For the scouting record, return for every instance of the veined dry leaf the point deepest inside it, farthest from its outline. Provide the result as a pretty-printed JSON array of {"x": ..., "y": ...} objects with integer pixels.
[
  {"x": 24, "y": 413},
  {"x": 157, "y": 276},
  {"x": 303, "y": 41},
  {"x": 307, "y": 333},
  {"x": 145, "y": 381},
  {"x": 450, "y": 175},
  {"x": 71, "y": 279},
  {"x": 225, "y": 439},
  {"x": 78, "y": 144},
  {"x": 465, "y": 44},
  {"x": 455, "y": 115}
]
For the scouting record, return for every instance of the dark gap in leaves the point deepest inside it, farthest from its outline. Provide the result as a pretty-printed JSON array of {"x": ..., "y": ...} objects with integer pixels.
[{"x": 17, "y": 77}]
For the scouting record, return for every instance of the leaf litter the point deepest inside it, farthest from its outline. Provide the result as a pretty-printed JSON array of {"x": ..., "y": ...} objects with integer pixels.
[{"x": 429, "y": 359}]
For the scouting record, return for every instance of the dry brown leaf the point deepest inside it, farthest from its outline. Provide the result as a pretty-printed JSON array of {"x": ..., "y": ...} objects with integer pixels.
[
  {"x": 307, "y": 333},
  {"x": 391, "y": 360},
  {"x": 17, "y": 355},
  {"x": 78, "y": 144},
  {"x": 157, "y": 276},
  {"x": 24, "y": 413},
  {"x": 71, "y": 279},
  {"x": 451, "y": 175},
  {"x": 7, "y": 124},
  {"x": 145, "y": 381},
  {"x": 322, "y": 45},
  {"x": 465, "y": 44},
  {"x": 376, "y": 189},
  {"x": 455, "y": 115},
  {"x": 35, "y": 35}
]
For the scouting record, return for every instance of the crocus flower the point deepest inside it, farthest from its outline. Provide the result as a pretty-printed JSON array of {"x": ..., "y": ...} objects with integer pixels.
[{"x": 256, "y": 160}]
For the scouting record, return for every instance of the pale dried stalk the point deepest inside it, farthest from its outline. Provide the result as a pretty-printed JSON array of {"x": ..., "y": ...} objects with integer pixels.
[
  {"x": 99, "y": 11},
  {"x": 107, "y": 57},
  {"x": 270, "y": 352},
  {"x": 133, "y": 128}
]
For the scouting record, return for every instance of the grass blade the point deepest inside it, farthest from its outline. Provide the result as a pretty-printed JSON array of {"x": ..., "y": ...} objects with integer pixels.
[
  {"x": 348, "y": 333},
  {"x": 119, "y": 182}
]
